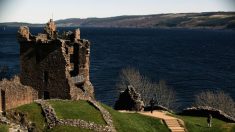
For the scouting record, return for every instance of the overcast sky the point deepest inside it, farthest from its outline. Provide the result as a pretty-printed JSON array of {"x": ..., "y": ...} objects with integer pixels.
[{"x": 39, "y": 11}]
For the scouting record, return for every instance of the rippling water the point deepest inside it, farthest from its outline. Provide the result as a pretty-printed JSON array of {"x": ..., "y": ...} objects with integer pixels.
[{"x": 189, "y": 60}]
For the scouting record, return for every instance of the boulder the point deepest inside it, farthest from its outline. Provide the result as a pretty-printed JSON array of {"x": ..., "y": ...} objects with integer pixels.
[{"x": 129, "y": 100}]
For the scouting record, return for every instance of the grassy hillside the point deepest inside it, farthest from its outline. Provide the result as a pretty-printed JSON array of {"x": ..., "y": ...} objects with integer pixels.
[
  {"x": 77, "y": 110},
  {"x": 3, "y": 128},
  {"x": 122, "y": 121},
  {"x": 83, "y": 110},
  {"x": 135, "y": 122},
  {"x": 213, "y": 20},
  {"x": 199, "y": 124},
  {"x": 33, "y": 113}
]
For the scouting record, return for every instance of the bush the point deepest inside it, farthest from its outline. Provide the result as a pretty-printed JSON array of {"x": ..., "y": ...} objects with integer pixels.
[
  {"x": 218, "y": 100},
  {"x": 163, "y": 95}
]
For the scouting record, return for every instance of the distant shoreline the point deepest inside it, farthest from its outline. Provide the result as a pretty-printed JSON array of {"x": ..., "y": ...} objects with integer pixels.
[{"x": 205, "y": 20}]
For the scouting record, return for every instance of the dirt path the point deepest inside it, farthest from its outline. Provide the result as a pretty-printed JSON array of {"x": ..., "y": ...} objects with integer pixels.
[{"x": 173, "y": 123}]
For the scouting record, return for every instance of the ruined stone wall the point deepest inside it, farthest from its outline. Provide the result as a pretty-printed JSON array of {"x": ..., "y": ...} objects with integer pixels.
[
  {"x": 14, "y": 94},
  {"x": 43, "y": 68},
  {"x": 54, "y": 58},
  {"x": 57, "y": 67},
  {"x": 80, "y": 87}
]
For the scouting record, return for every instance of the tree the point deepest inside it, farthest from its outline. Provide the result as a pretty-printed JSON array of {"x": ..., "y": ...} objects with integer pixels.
[
  {"x": 163, "y": 95},
  {"x": 218, "y": 100},
  {"x": 131, "y": 76}
]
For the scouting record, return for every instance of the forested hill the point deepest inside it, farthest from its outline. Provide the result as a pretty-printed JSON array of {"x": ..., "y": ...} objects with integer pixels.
[{"x": 214, "y": 20}]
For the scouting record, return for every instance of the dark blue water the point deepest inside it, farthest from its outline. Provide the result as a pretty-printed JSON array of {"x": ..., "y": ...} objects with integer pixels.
[{"x": 189, "y": 60}]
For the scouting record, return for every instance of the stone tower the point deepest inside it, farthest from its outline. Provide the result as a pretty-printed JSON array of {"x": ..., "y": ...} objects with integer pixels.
[{"x": 56, "y": 66}]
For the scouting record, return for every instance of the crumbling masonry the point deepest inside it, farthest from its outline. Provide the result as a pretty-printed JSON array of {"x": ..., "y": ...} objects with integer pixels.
[
  {"x": 53, "y": 65},
  {"x": 57, "y": 66}
]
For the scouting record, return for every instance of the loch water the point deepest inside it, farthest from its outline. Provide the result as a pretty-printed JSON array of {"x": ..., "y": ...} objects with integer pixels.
[{"x": 190, "y": 60}]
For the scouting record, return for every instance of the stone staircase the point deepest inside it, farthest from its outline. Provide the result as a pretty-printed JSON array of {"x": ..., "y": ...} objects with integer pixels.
[{"x": 174, "y": 125}]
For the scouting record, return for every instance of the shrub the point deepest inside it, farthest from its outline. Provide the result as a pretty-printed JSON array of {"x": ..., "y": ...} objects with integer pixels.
[
  {"x": 218, "y": 100},
  {"x": 163, "y": 95}
]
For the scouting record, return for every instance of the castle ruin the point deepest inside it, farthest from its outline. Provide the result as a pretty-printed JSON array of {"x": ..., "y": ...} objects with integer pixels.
[{"x": 54, "y": 65}]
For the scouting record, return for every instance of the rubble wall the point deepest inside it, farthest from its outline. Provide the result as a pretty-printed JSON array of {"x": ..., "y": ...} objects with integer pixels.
[
  {"x": 43, "y": 68},
  {"x": 15, "y": 94},
  {"x": 57, "y": 66}
]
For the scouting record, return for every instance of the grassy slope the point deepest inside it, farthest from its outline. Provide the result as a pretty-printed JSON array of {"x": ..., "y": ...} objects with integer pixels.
[
  {"x": 34, "y": 113},
  {"x": 77, "y": 110},
  {"x": 135, "y": 122},
  {"x": 122, "y": 121},
  {"x": 199, "y": 124},
  {"x": 3, "y": 128}
]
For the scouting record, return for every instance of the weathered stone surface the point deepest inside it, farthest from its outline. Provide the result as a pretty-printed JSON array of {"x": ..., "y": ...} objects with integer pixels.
[
  {"x": 106, "y": 115},
  {"x": 17, "y": 123},
  {"x": 15, "y": 94},
  {"x": 55, "y": 67},
  {"x": 49, "y": 113},
  {"x": 23, "y": 33},
  {"x": 129, "y": 100},
  {"x": 205, "y": 110},
  {"x": 50, "y": 29},
  {"x": 77, "y": 34}
]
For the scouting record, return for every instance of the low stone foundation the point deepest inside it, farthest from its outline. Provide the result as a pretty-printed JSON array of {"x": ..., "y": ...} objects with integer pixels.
[
  {"x": 53, "y": 120},
  {"x": 205, "y": 110}
]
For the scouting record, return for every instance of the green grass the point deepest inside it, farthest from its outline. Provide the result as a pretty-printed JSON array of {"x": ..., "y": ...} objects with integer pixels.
[
  {"x": 3, "y": 128},
  {"x": 123, "y": 122},
  {"x": 77, "y": 110},
  {"x": 34, "y": 113},
  {"x": 68, "y": 129},
  {"x": 199, "y": 124},
  {"x": 134, "y": 122}
]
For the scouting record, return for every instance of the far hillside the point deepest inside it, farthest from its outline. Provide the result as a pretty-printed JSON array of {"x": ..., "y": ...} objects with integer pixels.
[{"x": 211, "y": 20}]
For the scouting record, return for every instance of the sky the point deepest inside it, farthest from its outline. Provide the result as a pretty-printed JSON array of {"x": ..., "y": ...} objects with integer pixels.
[{"x": 40, "y": 11}]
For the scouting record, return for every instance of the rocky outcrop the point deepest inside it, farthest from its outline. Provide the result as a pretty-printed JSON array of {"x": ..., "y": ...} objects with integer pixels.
[
  {"x": 129, "y": 100},
  {"x": 205, "y": 110}
]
